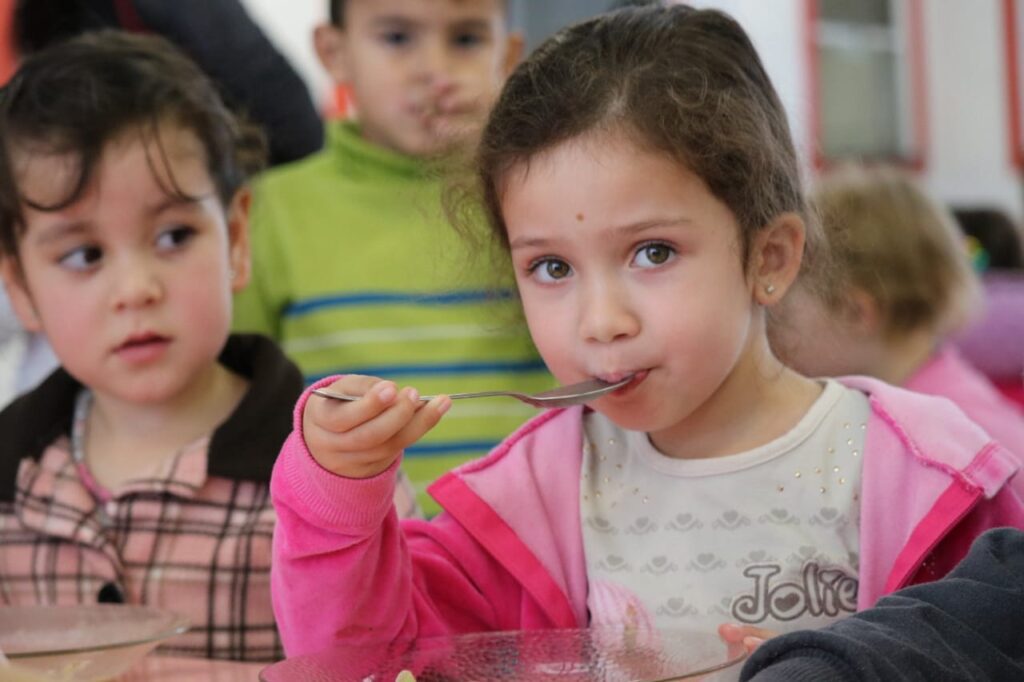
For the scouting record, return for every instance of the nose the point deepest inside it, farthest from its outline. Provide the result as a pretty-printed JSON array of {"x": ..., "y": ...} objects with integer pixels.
[
  {"x": 436, "y": 68},
  {"x": 607, "y": 314},
  {"x": 136, "y": 285}
]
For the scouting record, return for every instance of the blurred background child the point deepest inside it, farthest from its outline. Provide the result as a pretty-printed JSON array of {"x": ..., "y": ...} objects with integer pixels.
[
  {"x": 137, "y": 472},
  {"x": 356, "y": 268},
  {"x": 898, "y": 284}
]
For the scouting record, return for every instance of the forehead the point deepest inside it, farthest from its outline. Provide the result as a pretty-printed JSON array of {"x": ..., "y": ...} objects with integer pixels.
[
  {"x": 131, "y": 169},
  {"x": 617, "y": 169},
  {"x": 602, "y": 188},
  {"x": 358, "y": 12}
]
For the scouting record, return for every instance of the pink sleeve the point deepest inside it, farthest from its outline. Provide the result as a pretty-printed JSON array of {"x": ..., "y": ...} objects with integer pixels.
[
  {"x": 345, "y": 570},
  {"x": 404, "y": 498},
  {"x": 1005, "y": 509}
]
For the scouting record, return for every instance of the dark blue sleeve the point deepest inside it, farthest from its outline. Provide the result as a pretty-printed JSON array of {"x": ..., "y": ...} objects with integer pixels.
[
  {"x": 967, "y": 626},
  {"x": 253, "y": 76}
]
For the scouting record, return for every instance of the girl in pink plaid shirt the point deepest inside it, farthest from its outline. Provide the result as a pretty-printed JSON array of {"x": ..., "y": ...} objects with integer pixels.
[{"x": 138, "y": 471}]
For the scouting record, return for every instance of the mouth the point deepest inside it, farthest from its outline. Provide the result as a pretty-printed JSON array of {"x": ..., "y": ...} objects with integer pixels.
[
  {"x": 440, "y": 114},
  {"x": 143, "y": 341},
  {"x": 614, "y": 377}
]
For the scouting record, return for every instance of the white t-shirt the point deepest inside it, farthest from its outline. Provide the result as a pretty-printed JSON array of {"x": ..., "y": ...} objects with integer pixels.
[{"x": 768, "y": 537}]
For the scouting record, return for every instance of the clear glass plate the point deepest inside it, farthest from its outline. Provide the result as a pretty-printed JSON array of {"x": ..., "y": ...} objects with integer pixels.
[
  {"x": 80, "y": 643},
  {"x": 595, "y": 655}
]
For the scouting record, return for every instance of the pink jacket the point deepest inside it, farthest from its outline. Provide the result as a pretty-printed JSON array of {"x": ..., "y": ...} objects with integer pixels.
[
  {"x": 507, "y": 552},
  {"x": 948, "y": 374}
]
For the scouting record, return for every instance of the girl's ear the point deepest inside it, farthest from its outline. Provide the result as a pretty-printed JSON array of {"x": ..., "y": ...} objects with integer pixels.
[
  {"x": 329, "y": 43},
  {"x": 17, "y": 292},
  {"x": 775, "y": 258},
  {"x": 239, "y": 254}
]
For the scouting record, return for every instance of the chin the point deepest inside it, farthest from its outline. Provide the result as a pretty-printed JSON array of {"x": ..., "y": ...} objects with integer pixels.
[{"x": 631, "y": 419}]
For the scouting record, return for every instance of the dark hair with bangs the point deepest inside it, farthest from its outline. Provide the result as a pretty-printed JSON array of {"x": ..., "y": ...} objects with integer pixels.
[
  {"x": 684, "y": 82},
  {"x": 73, "y": 98}
]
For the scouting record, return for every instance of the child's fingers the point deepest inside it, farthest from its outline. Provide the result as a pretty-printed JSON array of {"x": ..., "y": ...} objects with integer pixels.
[
  {"x": 356, "y": 384},
  {"x": 339, "y": 416},
  {"x": 751, "y": 637},
  {"x": 425, "y": 419},
  {"x": 751, "y": 643},
  {"x": 381, "y": 427}
]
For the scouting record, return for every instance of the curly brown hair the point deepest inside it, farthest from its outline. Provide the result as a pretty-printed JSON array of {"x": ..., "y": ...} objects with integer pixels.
[{"x": 684, "y": 82}]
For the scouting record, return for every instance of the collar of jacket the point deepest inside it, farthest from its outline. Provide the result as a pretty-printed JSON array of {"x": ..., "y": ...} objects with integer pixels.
[{"x": 243, "y": 447}]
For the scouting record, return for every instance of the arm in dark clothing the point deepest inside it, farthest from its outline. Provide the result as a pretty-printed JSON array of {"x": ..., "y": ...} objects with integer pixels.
[
  {"x": 229, "y": 46},
  {"x": 967, "y": 626}
]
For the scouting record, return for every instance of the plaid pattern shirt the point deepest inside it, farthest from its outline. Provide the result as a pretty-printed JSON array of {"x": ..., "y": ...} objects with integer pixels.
[
  {"x": 179, "y": 540},
  {"x": 193, "y": 537}
]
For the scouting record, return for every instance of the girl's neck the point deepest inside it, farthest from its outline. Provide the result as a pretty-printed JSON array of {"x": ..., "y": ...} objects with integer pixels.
[
  {"x": 759, "y": 401},
  {"x": 123, "y": 439}
]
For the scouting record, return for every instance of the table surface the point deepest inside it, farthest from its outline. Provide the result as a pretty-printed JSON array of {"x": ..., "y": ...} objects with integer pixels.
[{"x": 166, "y": 669}]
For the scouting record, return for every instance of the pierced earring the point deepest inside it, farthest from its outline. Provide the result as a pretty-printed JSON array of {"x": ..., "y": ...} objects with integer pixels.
[{"x": 769, "y": 289}]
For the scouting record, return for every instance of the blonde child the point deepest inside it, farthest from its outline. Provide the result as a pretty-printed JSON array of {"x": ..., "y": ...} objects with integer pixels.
[
  {"x": 639, "y": 168},
  {"x": 356, "y": 269},
  {"x": 137, "y": 472},
  {"x": 899, "y": 284}
]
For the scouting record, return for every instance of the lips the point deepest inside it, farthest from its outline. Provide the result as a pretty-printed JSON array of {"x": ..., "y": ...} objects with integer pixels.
[
  {"x": 613, "y": 377},
  {"x": 142, "y": 349},
  {"x": 141, "y": 340}
]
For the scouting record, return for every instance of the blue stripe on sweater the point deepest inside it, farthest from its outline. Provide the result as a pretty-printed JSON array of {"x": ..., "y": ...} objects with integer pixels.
[
  {"x": 450, "y": 448},
  {"x": 382, "y": 298},
  {"x": 459, "y": 368}
]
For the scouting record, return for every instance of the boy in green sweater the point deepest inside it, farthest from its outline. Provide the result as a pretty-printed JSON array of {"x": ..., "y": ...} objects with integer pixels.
[{"x": 356, "y": 269}]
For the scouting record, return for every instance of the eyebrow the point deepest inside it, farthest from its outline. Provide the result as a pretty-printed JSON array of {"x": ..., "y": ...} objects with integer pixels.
[
  {"x": 55, "y": 233},
  {"x": 392, "y": 21},
  {"x": 62, "y": 230},
  {"x": 631, "y": 228},
  {"x": 471, "y": 25},
  {"x": 173, "y": 201}
]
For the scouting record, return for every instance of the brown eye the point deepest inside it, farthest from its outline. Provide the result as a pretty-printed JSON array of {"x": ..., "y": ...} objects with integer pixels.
[
  {"x": 550, "y": 269},
  {"x": 556, "y": 269},
  {"x": 654, "y": 254}
]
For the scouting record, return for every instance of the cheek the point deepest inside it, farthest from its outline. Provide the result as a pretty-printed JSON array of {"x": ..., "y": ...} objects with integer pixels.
[
  {"x": 209, "y": 302},
  {"x": 203, "y": 295},
  {"x": 65, "y": 311},
  {"x": 551, "y": 330}
]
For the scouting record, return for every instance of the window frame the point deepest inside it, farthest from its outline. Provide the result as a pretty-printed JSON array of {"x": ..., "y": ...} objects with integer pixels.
[
  {"x": 1014, "y": 91},
  {"x": 916, "y": 159},
  {"x": 8, "y": 58}
]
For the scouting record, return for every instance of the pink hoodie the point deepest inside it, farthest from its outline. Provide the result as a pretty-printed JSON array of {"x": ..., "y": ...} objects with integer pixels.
[
  {"x": 948, "y": 374},
  {"x": 507, "y": 552}
]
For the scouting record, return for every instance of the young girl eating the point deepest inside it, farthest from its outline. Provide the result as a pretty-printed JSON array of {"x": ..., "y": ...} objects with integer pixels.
[{"x": 640, "y": 171}]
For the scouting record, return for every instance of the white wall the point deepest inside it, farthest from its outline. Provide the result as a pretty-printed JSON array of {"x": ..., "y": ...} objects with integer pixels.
[
  {"x": 289, "y": 25},
  {"x": 969, "y": 150}
]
